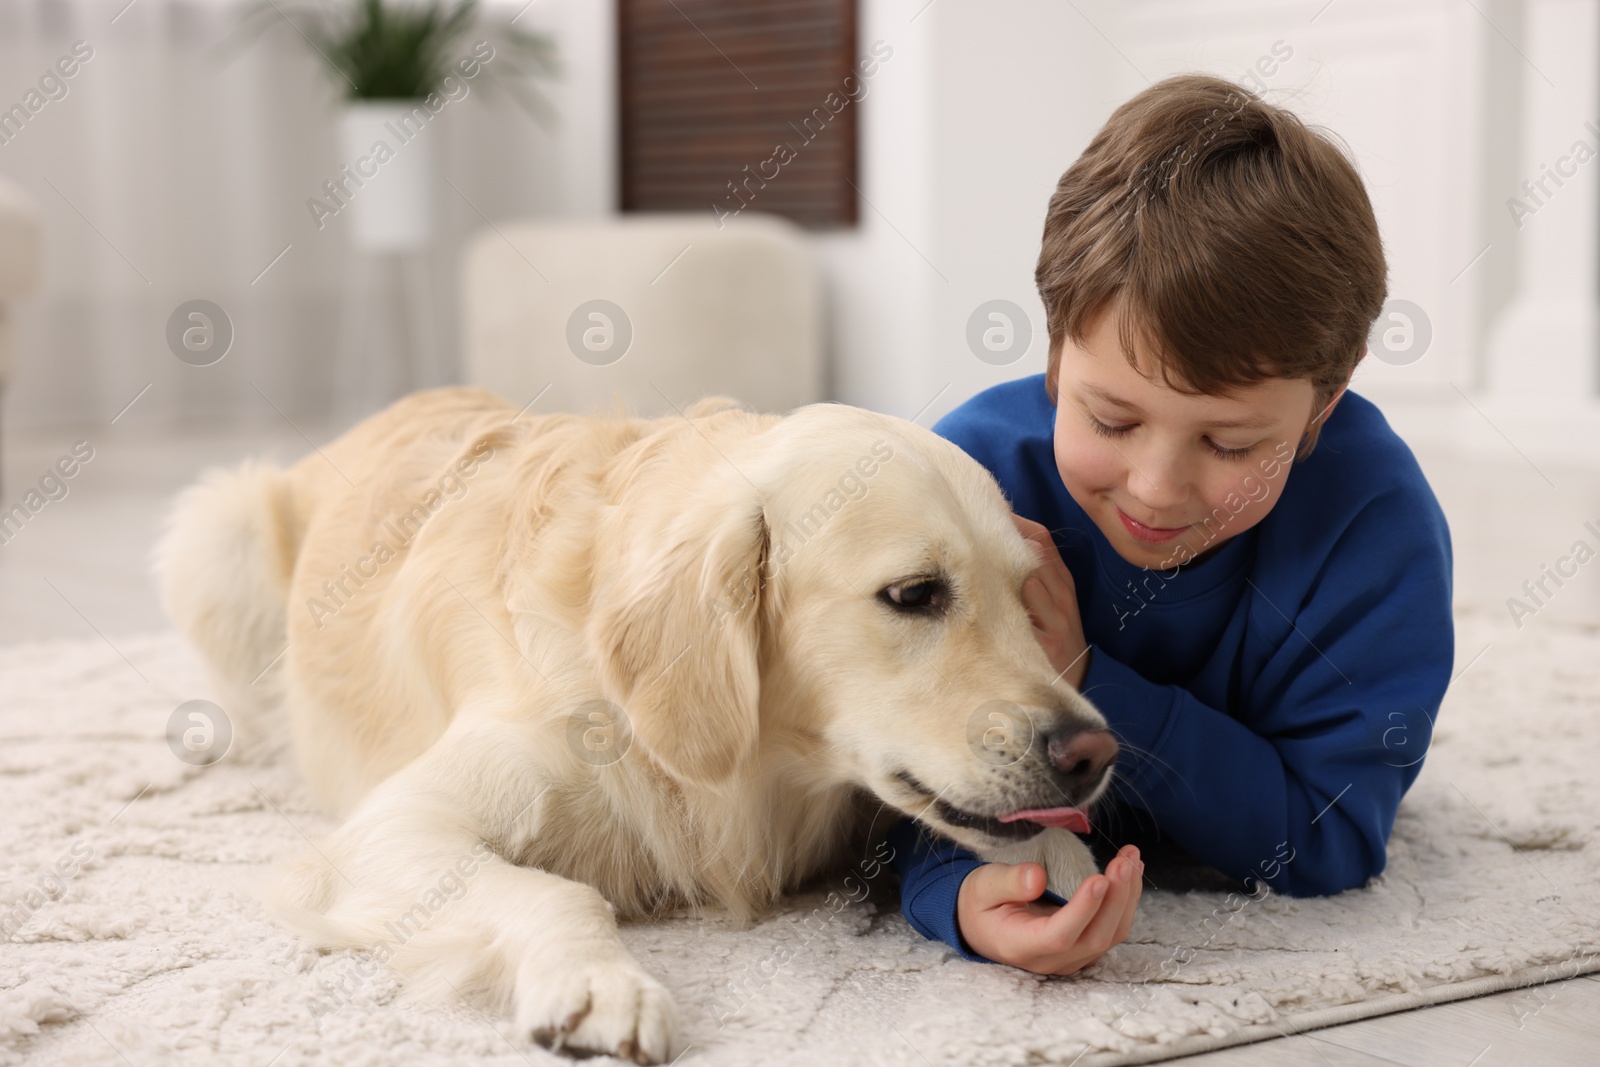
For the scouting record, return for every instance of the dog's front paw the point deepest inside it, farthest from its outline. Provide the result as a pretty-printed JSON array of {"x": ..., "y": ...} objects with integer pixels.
[
  {"x": 1067, "y": 860},
  {"x": 607, "y": 1006}
]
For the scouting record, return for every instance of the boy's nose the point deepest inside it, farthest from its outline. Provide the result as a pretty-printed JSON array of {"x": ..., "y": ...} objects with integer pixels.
[
  {"x": 1081, "y": 757},
  {"x": 1158, "y": 494},
  {"x": 1159, "y": 483}
]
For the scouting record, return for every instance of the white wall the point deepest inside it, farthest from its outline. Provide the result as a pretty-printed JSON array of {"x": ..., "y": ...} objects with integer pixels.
[
  {"x": 1438, "y": 101},
  {"x": 964, "y": 132},
  {"x": 969, "y": 127}
]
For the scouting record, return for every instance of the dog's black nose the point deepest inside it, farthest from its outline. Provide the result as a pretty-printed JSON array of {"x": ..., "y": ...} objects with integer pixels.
[{"x": 1081, "y": 756}]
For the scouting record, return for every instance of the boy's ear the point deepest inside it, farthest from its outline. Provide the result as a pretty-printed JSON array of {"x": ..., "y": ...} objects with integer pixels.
[
  {"x": 1308, "y": 437},
  {"x": 1332, "y": 404},
  {"x": 1328, "y": 410}
]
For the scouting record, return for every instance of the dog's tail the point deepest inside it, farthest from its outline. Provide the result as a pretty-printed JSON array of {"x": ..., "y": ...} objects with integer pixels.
[{"x": 224, "y": 564}]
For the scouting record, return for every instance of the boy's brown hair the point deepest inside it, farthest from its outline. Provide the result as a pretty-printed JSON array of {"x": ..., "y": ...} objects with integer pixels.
[{"x": 1236, "y": 243}]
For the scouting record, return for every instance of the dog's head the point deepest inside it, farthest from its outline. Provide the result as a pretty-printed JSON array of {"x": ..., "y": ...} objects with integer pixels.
[{"x": 844, "y": 588}]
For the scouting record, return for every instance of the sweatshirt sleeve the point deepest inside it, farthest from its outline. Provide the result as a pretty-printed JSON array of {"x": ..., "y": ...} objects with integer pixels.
[
  {"x": 1298, "y": 784},
  {"x": 931, "y": 870}
]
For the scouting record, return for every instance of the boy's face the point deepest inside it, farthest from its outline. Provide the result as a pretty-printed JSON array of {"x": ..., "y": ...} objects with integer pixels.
[{"x": 1168, "y": 476}]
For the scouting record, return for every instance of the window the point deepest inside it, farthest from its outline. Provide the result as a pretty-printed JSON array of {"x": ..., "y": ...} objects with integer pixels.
[{"x": 730, "y": 105}]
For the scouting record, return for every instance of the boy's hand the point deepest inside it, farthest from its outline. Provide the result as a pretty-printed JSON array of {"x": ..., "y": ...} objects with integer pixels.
[
  {"x": 1051, "y": 598},
  {"x": 1002, "y": 918}
]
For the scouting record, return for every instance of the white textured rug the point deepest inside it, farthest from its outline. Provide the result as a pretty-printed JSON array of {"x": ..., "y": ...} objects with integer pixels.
[{"x": 130, "y": 880}]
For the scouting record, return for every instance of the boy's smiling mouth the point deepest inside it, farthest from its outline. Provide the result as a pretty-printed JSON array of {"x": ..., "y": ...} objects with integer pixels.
[{"x": 1154, "y": 535}]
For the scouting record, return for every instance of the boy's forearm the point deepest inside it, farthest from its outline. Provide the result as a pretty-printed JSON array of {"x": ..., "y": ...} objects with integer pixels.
[{"x": 1239, "y": 801}]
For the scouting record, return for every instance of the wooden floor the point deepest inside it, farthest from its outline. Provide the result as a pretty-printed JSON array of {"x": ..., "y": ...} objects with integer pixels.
[
  {"x": 79, "y": 568},
  {"x": 1557, "y": 1024}
]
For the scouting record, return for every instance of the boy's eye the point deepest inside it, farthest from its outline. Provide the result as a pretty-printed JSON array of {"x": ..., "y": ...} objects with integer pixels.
[
  {"x": 1105, "y": 430},
  {"x": 1228, "y": 453},
  {"x": 1108, "y": 430}
]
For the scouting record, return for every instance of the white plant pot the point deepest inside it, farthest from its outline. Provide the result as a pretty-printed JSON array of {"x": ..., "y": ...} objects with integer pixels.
[{"x": 388, "y": 147}]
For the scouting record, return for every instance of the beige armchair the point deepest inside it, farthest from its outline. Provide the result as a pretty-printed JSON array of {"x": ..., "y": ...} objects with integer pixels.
[
  {"x": 654, "y": 311},
  {"x": 19, "y": 263}
]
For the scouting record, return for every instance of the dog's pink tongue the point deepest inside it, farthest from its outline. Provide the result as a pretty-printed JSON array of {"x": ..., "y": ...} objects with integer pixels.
[{"x": 1069, "y": 818}]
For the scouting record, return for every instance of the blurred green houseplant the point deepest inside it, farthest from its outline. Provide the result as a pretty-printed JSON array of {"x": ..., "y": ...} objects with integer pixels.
[{"x": 404, "y": 50}]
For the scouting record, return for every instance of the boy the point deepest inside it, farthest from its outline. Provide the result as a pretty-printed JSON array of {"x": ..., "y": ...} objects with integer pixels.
[{"x": 1265, "y": 627}]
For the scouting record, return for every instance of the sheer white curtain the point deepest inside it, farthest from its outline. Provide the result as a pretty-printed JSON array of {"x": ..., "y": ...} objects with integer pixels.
[{"x": 169, "y": 169}]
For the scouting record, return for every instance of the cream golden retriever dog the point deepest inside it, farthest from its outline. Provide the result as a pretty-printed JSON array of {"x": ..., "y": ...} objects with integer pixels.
[{"x": 557, "y": 670}]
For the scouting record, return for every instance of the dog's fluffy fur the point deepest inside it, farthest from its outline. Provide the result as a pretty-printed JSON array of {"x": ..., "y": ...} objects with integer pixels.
[{"x": 468, "y": 597}]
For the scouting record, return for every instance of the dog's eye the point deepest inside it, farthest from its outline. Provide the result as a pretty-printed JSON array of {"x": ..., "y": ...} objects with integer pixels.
[{"x": 928, "y": 597}]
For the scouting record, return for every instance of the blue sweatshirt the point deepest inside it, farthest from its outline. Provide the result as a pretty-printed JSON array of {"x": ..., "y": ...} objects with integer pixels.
[{"x": 1273, "y": 699}]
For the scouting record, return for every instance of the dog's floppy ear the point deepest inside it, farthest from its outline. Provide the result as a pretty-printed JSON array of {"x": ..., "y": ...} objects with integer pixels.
[{"x": 676, "y": 624}]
